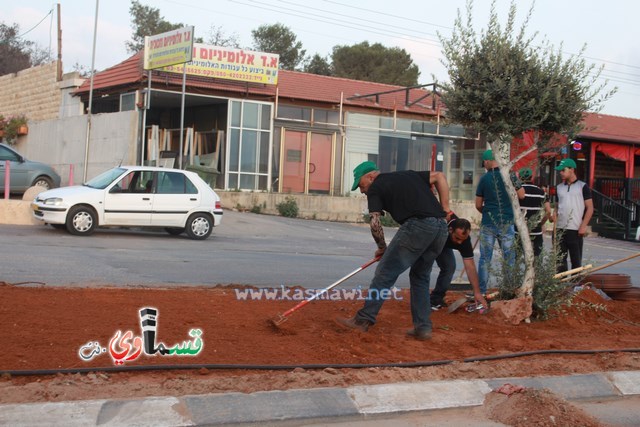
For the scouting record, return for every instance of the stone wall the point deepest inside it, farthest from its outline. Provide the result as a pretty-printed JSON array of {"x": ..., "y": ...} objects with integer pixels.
[
  {"x": 34, "y": 92},
  {"x": 343, "y": 209}
]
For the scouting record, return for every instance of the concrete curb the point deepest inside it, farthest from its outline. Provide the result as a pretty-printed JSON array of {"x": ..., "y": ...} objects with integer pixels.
[{"x": 305, "y": 404}]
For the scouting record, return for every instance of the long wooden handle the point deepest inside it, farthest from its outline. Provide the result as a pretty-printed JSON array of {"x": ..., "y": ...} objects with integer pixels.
[
  {"x": 615, "y": 262},
  {"x": 573, "y": 271}
]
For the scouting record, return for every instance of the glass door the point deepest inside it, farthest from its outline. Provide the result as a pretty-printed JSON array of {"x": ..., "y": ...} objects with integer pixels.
[
  {"x": 320, "y": 163},
  {"x": 307, "y": 161}
]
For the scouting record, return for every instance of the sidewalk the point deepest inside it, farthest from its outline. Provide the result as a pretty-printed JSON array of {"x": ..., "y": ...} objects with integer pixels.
[{"x": 308, "y": 405}]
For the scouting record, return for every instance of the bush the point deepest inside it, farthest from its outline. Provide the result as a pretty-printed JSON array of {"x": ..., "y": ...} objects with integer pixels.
[
  {"x": 549, "y": 293},
  {"x": 288, "y": 208}
]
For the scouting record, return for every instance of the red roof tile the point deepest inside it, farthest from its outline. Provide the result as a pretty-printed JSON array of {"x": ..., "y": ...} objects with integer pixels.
[
  {"x": 297, "y": 86},
  {"x": 610, "y": 128},
  {"x": 292, "y": 85}
]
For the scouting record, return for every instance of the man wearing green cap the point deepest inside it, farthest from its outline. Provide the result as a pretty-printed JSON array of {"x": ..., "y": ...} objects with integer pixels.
[
  {"x": 535, "y": 199},
  {"x": 572, "y": 215},
  {"x": 408, "y": 197},
  {"x": 497, "y": 223}
]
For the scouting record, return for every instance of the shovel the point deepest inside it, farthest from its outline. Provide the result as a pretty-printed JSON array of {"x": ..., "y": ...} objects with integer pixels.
[
  {"x": 459, "y": 302},
  {"x": 281, "y": 318}
]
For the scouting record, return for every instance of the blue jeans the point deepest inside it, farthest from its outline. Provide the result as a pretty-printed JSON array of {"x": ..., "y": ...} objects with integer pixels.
[
  {"x": 488, "y": 236},
  {"x": 417, "y": 244},
  {"x": 447, "y": 263}
]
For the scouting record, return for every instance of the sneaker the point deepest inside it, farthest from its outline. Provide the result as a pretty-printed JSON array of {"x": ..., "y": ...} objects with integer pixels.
[
  {"x": 419, "y": 335},
  {"x": 353, "y": 323},
  {"x": 438, "y": 306}
]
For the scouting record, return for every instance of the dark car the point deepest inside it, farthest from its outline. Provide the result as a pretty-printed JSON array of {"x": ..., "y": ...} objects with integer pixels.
[{"x": 25, "y": 173}]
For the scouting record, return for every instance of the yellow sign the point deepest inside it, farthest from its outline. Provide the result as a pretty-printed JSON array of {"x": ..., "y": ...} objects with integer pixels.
[
  {"x": 232, "y": 64},
  {"x": 170, "y": 48}
]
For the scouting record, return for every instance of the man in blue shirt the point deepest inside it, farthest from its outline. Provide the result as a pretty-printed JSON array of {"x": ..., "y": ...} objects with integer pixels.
[{"x": 493, "y": 202}]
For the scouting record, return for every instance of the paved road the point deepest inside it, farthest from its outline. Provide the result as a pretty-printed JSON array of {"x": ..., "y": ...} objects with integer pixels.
[{"x": 247, "y": 248}]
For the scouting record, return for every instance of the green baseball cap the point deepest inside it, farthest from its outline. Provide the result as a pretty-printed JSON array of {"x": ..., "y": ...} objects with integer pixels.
[
  {"x": 566, "y": 163},
  {"x": 487, "y": 155},
  {"x": 525, "y": 173},
  {"x": 361, "y": 170}
]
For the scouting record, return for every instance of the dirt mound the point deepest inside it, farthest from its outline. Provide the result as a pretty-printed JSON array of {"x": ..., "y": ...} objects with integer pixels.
[
  {"x": 222, "y": 336},
  {"x": 530, "y": 407}
]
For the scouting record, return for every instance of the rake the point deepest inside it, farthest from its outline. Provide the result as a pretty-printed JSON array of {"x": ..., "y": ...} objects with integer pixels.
[{"x": 281, "y": 318}]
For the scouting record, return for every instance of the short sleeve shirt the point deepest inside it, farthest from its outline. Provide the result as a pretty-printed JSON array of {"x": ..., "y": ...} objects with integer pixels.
[
  {"x": 404, "y": 194},
  {"x": 497, "y": 205},
  {"x": 571, "y": 207},
  {"x": 465, "y": 248}
]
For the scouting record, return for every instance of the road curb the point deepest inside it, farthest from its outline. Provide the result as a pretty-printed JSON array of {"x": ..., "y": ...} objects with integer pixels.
[{"x": 306, "y": 404}]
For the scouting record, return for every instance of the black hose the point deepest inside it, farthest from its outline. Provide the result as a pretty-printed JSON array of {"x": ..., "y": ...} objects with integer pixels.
[{"x": 136, "y": 368}]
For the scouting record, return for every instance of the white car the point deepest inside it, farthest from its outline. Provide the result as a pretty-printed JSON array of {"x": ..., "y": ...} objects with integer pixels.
[{"x": 133, "y": 196}]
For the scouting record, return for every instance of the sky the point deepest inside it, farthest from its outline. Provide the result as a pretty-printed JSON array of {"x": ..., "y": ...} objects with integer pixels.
[{"x": 608, "y": 29}]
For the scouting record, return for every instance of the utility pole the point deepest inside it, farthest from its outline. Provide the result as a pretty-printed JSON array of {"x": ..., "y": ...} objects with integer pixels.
[
  {"x": 59, "y": 75},
  {"x": 93, "y": 61}
]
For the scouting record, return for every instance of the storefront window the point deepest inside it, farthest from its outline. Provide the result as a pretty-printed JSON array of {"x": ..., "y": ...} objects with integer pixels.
[{"x": 249, "y": 146}]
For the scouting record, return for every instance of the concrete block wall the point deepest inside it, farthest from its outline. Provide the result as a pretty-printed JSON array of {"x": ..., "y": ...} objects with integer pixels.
[
  {"x": 34, "y": 92},
  {"x": 342, "y": 209}
]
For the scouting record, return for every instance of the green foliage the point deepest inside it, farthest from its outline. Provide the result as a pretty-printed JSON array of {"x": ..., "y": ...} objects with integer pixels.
[
  {"x": 217, "y": 37},
  {"x": 256, "y": 209},
  {"x": 288, "y": 208},
  {"x": 11, "y": 126},
  {"x": 375, "y": 63},
  {"x": 549, "y": 293},
  {"x": 279, "y": 39},
  {"x": 17, "y": 54},
  {"x": 146, "y": 21},
  {"x": 318, "y": 65},
  {"x": 501, "y": 85},
  {"x": 386, "y": 220}
]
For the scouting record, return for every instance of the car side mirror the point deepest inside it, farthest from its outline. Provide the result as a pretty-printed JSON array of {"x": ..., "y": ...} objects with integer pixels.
[{"x": 115, "y": 189}]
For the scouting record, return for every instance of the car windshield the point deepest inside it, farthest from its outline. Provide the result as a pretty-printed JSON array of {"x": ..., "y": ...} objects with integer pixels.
[{"x": 105, "y": 178}]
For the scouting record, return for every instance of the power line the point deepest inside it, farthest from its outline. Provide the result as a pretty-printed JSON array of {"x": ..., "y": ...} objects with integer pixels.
[
  {"x": 333, "y": 21},
  {"x": 375, "y": 30},
  {"x": 35, "y": 26},
  {"x": 389, "y": 14}
]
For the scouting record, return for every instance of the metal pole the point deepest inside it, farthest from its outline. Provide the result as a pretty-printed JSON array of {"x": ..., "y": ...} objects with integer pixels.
[
  {"x": 93, "y": 60},
  {"x": 184, "y": 85},
  {"x": 147, "y": 104}
]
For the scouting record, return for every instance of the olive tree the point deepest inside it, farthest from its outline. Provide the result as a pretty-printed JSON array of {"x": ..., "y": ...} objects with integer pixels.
[{"x": 502, "y": 86}]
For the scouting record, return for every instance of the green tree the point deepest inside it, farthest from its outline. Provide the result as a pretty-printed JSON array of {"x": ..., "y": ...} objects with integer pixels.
[
  {"x": 375, "y": 63},
  {"x": 146, "y": 21},
  {"x": 502, "y": 86},
  {"x": 17, "y": 54},
  {"x": 318, "y": 65},
  {"x": 279, "y": 39},
  {"x": 218, "y": 37}
]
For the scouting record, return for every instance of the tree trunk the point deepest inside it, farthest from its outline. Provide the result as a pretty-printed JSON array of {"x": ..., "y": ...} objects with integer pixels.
[{"x": 505, "y": 165}]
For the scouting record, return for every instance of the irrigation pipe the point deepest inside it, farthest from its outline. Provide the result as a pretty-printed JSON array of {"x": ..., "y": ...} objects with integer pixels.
[{"x": 418, "y": 364}]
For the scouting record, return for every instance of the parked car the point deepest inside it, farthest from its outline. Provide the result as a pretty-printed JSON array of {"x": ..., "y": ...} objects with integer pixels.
[
  {"x": 25, "y": 173},
  {"x": 133, "y": 196}
]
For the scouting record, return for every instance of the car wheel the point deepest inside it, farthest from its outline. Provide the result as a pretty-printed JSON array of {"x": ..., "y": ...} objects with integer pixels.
[
  {"x": 199, "y": 226},
  {"x": 81, "y": 221},
  {"x": 174, "y": 231},
  {"x": 43, "y": 181}
]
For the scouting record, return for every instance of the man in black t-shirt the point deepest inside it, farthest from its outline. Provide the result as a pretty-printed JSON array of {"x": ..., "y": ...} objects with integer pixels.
[
  {"x": 460, "y": 240},
  {"x": 407, "y": 196},
  {"x": 535, "y": 200}
]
